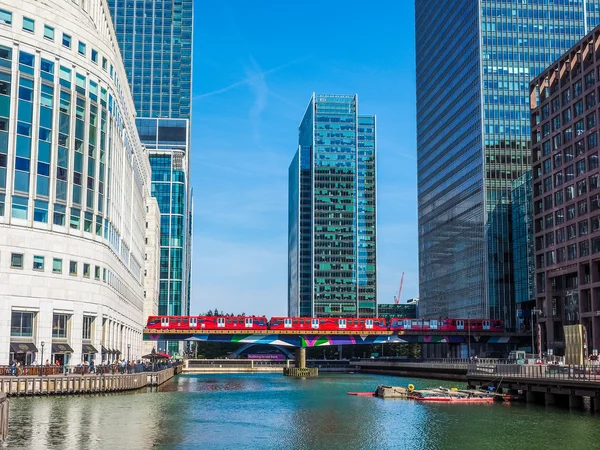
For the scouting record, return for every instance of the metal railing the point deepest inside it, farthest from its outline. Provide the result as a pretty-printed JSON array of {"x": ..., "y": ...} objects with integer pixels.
[
  {"x": 589, "y": 372},
  {"x": 101, "y": 369}
]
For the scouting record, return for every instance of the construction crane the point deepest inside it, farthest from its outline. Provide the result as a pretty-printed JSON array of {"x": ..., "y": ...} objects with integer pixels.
[{"x": 397, "y": 296}]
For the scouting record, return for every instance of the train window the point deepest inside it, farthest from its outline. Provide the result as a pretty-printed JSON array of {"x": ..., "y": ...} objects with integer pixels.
[
  {"x": 362, "y": 322},
  {"x": 185, "y": 320},
  {"x": 173, "y": 320},
  {"x": 153, "y": 321}
]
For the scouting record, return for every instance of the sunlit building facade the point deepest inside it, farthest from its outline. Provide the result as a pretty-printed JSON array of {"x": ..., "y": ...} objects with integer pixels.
[
  {"x": 155, "y": 38},
  {"x": 566, "y": 194},
  {"x": 473, "y": 140},
  {"x": 332, "y": 212},
  {"x": 74, "y": 188}
]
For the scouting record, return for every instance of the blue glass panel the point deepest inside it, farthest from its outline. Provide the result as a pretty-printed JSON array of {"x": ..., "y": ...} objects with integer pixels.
[
  {"x": 19, "y": 207},
  {"x": 43, "y": 185},
  {"x": 22, "y": 164},
  {"x": 43, "y": 169},
  {"x": 23, "y": 146},
  {"x": 44, "y": 151},
  {"x": 22, "y": 181}
]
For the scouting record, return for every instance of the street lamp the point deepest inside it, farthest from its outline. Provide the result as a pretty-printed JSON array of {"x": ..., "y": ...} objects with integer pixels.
[
  {"x": 128, "y": 362},
  {"x": 42, "y": 360}
]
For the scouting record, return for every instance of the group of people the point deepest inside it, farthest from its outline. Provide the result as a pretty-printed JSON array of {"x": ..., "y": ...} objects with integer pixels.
[{"x": 16, "y": 368}]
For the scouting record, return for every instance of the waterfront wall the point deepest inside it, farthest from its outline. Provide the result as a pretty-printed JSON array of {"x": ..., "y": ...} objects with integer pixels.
[
  {"x": 83, "y": 384},
  {"x": 3, "y": 416},
  {"x": 456, "y": 371}
]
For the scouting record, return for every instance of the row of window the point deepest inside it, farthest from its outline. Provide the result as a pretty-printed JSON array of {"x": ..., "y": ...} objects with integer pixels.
[
  {"x": 568, "y": 253},
  {"x": 17, "y": 261},
  {"x": 49, "y": 32}
]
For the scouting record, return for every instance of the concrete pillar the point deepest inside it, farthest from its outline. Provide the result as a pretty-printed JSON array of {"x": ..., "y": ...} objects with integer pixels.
[
  {"x": 301, "y": 358},
  {"x": 550, "y": 399},
  {"x": 595, "y": 404}
]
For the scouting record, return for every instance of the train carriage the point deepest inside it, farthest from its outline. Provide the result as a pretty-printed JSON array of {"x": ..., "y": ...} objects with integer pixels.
[{"x": 325, "y": 324}]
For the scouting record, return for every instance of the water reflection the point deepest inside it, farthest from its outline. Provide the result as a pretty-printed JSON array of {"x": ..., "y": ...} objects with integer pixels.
[{"x": 272, "y": 411}]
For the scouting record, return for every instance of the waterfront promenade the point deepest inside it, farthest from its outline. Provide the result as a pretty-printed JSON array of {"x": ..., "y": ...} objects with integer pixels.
[{"x": 84, "y": 383}]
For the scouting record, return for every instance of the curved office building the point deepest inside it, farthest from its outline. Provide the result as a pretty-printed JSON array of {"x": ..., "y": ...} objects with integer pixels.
[{"x": 74, "y": 187}]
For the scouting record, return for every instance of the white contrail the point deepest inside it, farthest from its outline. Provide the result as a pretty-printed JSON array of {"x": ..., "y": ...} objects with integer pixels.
[{"x": 248, "y": 79}]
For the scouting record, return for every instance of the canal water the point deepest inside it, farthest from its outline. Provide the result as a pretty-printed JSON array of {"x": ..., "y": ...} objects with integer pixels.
[{"x": 274, "y": 412}]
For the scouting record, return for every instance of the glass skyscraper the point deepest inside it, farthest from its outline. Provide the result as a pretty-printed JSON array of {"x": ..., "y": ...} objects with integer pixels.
[
  {"x": 474, "y": 65},
  {"x": 155, "y": 37},
  {"x": 332, "y": 212}
]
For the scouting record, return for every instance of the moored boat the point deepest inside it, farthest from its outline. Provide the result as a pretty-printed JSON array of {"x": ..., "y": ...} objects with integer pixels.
[{"x": 443, "y": 395}]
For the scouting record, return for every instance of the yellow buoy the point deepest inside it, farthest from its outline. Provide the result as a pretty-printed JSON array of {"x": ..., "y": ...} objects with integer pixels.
[
  {"x": 455, "y": 389},
  {"x": 411, "y": 387}
]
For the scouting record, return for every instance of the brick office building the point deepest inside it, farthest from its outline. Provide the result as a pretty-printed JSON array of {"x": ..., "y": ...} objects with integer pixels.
[{"x": 566, "y": 193}]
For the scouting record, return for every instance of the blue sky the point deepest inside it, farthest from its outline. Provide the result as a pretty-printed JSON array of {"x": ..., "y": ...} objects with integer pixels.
[{"x": 256, "y": 65}]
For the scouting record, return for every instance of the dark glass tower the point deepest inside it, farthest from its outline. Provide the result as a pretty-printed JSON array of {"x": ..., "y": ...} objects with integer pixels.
[
  {"x": 155, "y": 37},
  {"x": 332, "y": 212},
  {"x": 474, "y": 64}
]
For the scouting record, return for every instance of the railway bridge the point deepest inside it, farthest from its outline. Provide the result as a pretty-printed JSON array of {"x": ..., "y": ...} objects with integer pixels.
[{"x": 434, "y": 342}]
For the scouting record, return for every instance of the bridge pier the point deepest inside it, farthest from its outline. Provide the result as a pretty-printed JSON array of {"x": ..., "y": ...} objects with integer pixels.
[
  {"x": 300, "y": 370},
  {"x": 594, "y": 404},
  {"x": 300, "y": 358}
]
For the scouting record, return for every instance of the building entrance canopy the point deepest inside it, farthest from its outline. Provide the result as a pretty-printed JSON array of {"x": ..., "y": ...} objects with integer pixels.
[
  {"x": 23, "y": 347},
  {"x": 61, "y": 348}
]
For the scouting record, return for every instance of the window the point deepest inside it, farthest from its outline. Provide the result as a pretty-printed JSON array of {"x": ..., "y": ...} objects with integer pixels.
[
  {"x": 16, "y": 260},
  {"x": 28, "y": 24},
  {"x": 88, "y": 322},
  {"x": 56, "y": 265},
  {"x": 38, "y": 263},
  {"x": 95, "y": 56},
  {"x": 570, "y": 212},
  {"x": 97, "y": 272},
  {"x": 59, "y": 214},
  {"x": 5, "y": 17},
  {"x": 81, "y": 48},
  {"x": 66, "y": 42},
  {"x": 104, "y": 63},
  {"x": 72, "y": 267},
  {"x": 59, "y": 325},
  {"x": 86, "y": 270},
  {"x": 21, "y": 324},
  {"x": 48, "y": 32}
]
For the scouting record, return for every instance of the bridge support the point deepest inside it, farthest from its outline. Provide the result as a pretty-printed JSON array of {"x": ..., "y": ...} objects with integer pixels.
[
  {"x": 595, "y": 404},
  {"x": 301, "y": 358},
  {"x": 300, "y": 370}
]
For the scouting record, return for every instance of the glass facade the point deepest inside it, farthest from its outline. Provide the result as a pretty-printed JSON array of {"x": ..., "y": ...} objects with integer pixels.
[
  {"x": 166, "y": 140},
  {"x": 398, "y": 311},
  {"x": 522, "y": 242},
  {"x": 155, "y": 37},
  {"x": 473, "y": 140},
  {"x": 332, "y": 212}
]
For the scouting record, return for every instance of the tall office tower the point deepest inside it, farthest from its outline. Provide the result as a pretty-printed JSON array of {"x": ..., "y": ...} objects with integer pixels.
[
  {"x": 156, "y": 42},
  {"x": 566, "y": 193},
  {"x": 474, "y": 65},
  {"x": 332, "y": 212},
  {"x": 74, "y": 189}
]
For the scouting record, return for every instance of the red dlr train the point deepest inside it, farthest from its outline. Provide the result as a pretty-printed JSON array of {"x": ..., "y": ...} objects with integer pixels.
[{"x": 322, "y": 324}]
